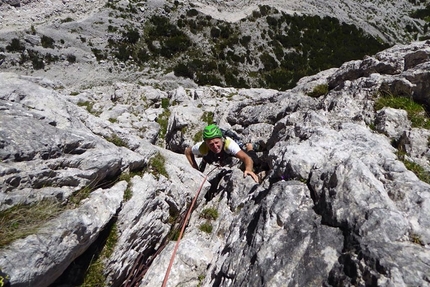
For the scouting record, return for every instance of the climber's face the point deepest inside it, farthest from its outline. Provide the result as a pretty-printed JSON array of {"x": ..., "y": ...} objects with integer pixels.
[{"x": 215, "y": 145}]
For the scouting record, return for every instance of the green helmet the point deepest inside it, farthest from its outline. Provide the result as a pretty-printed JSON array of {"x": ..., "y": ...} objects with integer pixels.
[{"x": 212, "y": 131}]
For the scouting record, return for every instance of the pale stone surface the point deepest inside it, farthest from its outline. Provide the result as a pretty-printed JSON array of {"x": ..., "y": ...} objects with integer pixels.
[
  {"x": 337, "y": 208},
  {"x": 39, "y": 259}
]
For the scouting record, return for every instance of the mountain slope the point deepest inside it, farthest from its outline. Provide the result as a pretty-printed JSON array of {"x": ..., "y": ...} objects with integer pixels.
[
  {"x": 340, "y": 206},
  {"x": 267, "y": 47}
]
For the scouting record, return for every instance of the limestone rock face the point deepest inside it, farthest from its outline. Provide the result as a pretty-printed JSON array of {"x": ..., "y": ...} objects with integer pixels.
[{"x": 339, "y": 206}]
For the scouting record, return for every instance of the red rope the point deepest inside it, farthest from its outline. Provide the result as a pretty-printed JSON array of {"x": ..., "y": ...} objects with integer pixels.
[{"x": 182, "y": 231}]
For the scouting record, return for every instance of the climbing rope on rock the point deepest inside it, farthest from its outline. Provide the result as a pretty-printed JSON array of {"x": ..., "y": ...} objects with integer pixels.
[{"x": 172, "y": 259}]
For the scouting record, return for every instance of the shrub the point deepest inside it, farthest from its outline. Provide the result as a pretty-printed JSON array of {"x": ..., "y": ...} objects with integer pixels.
[
  {"x": 15, "y": 46},
  {"x": 422, "y": 13},
  {"x": 208, "y": 117},
  {"x": 318, "y": 91},
  {"x": 68, "y": 19},
  {"x": 37, "y": 63},
  {"x": 71, "y": 58},
  {"x": 272, "y": 21},
  {"x": 226, "y": 31},
  {"x": 278, "y": 79},
  {"x": 47, "y": 42},
  {"x": 206, "y": 227},
  {"x": 181, "y": 70},
  {"x": 268, "y": 61},
  {"x": 173, "y": 45},
  {"x": 131, "y": 36},
  {"x": 123, "y": 53},
  {"x": 50, "y": 58},
  {"x": 142, "y": 56},
  {"x": 215, "y": 32},
  {"x": 98, "y": 54},
  {"x": 245, "y": 40},
  {"x": 165, "y": 102},
  {"x": 207, "y": 79},
  {"x": 88, "y": 105},
  {"x": 192, "y": 12},
  {"x": 209, "y": 213}
]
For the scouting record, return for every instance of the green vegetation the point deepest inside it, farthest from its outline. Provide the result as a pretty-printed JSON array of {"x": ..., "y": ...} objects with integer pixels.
[
  {"x": 206, "y": 227},
  {"x": 94, "y": 275},
  {"x": 33, "y": 30},
  {"x": 116, "y": 140},
  {"x": 201, "y": 278},
  {"x": 66, "y": 20},
  {"x": 174, "y": 234},
  {"x": 128, "y": 194},
  {"x": 297, "y": 46},
  {"x": 80, "y": 195},
  {"x": 208, "y": 117},
  {"x": 198, "y": 136},
  {"x": 47, "y": 42},
  {"x": 22, "y": 220},
  {"x": 318, "y": 91},
  {"x": 15, "y": 46},
  {"x": 165, "y": 103},
  {"x": 274, "y": 51},
  {"x": 209, "y": 213},
  {"x": 71, "y": 58},
  {"x": 419, "y": 171},
  {"x": 157, "y": 165},
  {"x": 163, "y": 120},
  {"x": 418, "y": 117},
  {"x": 415, "y": 238},
  {"x": 291, "y": 54},
  {"x": 416, "y": 112},
  {"x": 423, "y": 14},
  {"x": 89, "y": 106},
  {"x": 127, "y": 176}
]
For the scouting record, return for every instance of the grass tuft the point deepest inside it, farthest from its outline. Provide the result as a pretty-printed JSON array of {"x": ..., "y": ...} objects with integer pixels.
[
  {"x": 157, "y": 165},
  {"x": 415, "y": 238},
  {"x": 318, "y": 91},
  {"x": 416, "y": 112},
  {"x": 209, "y": 213},
  {"x": 95, "y": 274},
  {"x": 208, "y": 117},
  {"x": 116, "y": 140},
  {"x": 22, "y": 220},
  {"x": 206, "y": 227}
]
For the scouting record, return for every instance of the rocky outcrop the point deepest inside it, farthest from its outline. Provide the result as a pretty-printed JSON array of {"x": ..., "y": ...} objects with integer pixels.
[{"x": 339, "y": 207}]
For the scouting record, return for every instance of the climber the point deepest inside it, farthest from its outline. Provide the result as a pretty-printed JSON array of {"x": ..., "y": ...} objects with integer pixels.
[{"x": 218, "y": 148}]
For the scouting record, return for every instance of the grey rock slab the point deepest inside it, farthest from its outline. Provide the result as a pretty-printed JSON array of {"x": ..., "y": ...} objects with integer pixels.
[{"x": 41, "y": 258}]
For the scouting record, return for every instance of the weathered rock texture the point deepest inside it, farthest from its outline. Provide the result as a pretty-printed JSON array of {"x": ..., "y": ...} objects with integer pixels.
[
  {"x": 338, "y": 208},
  {"x": 75, "y": 43}
]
